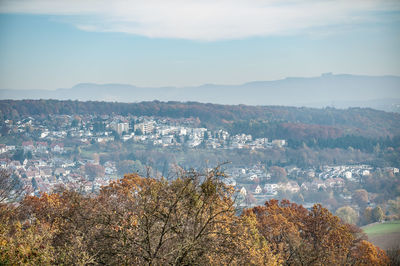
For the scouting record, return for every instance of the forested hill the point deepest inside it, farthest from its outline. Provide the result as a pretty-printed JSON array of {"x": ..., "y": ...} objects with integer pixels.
[
  {"x": 340, "y": 90},
  {"x": 290, "y": 122}
]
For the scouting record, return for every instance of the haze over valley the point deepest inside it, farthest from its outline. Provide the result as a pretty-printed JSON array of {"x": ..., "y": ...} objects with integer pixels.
[{"x": 340, "y": 91}]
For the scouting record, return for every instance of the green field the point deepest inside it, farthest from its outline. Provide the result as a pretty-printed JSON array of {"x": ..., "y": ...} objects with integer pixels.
[
  {"x": 382, "y": 228},
  {"x": 385, "y": 235}
]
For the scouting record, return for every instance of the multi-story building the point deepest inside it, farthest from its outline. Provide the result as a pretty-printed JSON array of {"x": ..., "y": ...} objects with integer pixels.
[
  {"x": 145, "y": 127},
  {"x": 122, "y": 127}
]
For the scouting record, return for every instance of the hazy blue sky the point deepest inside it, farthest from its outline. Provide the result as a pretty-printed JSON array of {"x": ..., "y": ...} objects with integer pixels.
[{"x": 49, "y": 44}]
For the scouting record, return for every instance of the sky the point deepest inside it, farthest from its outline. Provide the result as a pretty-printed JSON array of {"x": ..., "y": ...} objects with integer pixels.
[{"x": 50, "y": 44}]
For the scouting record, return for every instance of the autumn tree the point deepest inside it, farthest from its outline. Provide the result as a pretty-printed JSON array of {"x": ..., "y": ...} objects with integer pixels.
[
  {"x": 190, "y": 220},
  {"x": 136, "y": 221},
  {"x": 94, "y": 170},
  {"x": 311, "y": 237},
  {"x": 360, "y": 197},
  {"x": 10, "y": 188},
  {"x": 347, "y": 214},
  {"x": 377, "y": 214},
  {"x": 130, "y": 166},
  {"x": 278, "y": 174},
  {"x": 367, "y": 216},
  {"x": 72, "y": 218},
  {"x": 394, "y": 207},
  {"x": 24, "y": 244},
  {"x": 367, "y": 254}
]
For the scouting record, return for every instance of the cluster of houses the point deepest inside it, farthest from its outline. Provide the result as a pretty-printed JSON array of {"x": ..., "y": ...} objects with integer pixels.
[
  {"x": 34, "y": 147},
  {"x": 151, "y": 132},
  {"x": 89, "y": 129},
  {"x": 45, "y": 175},
  {"x": 40, "y": 155},
  {"x": 6, "y": 148},
  {"x": 256, "y": 180},
  {"x": 48, "y": 144}
]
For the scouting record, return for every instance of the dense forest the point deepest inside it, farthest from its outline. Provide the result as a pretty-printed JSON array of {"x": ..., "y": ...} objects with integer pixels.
[{"x": 189, "y": 220}]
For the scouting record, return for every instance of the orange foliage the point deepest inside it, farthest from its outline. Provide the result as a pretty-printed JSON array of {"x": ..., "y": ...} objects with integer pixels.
[
  {"x": 367, "y": 254},
  {"x": 190, "y": 220},
  {"x": 311, "y": 237}
]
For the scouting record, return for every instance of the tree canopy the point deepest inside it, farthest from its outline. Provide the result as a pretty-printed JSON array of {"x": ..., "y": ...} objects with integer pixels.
[
  {"x": 313, "y": 237},
  {"x": 190, "y": 220}
]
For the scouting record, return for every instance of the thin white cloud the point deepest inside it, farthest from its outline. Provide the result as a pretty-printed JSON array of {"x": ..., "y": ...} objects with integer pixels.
[{"x": 206, "y": 19}]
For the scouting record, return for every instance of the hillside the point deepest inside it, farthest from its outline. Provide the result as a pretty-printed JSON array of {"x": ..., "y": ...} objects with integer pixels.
[
  {"x": 287, "y": 122},
  {"x": 342, "y": 91},
  {"x": 384, "y": 235}
]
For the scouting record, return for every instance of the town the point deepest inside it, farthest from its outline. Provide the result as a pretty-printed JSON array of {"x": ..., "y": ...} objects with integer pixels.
[
  {"x": 53, "y": 152},
  {"x": 42, "y": 159}
]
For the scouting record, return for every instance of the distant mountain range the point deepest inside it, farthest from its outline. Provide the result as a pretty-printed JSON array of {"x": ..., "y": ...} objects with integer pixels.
[{"x": 340, "y": 91}]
